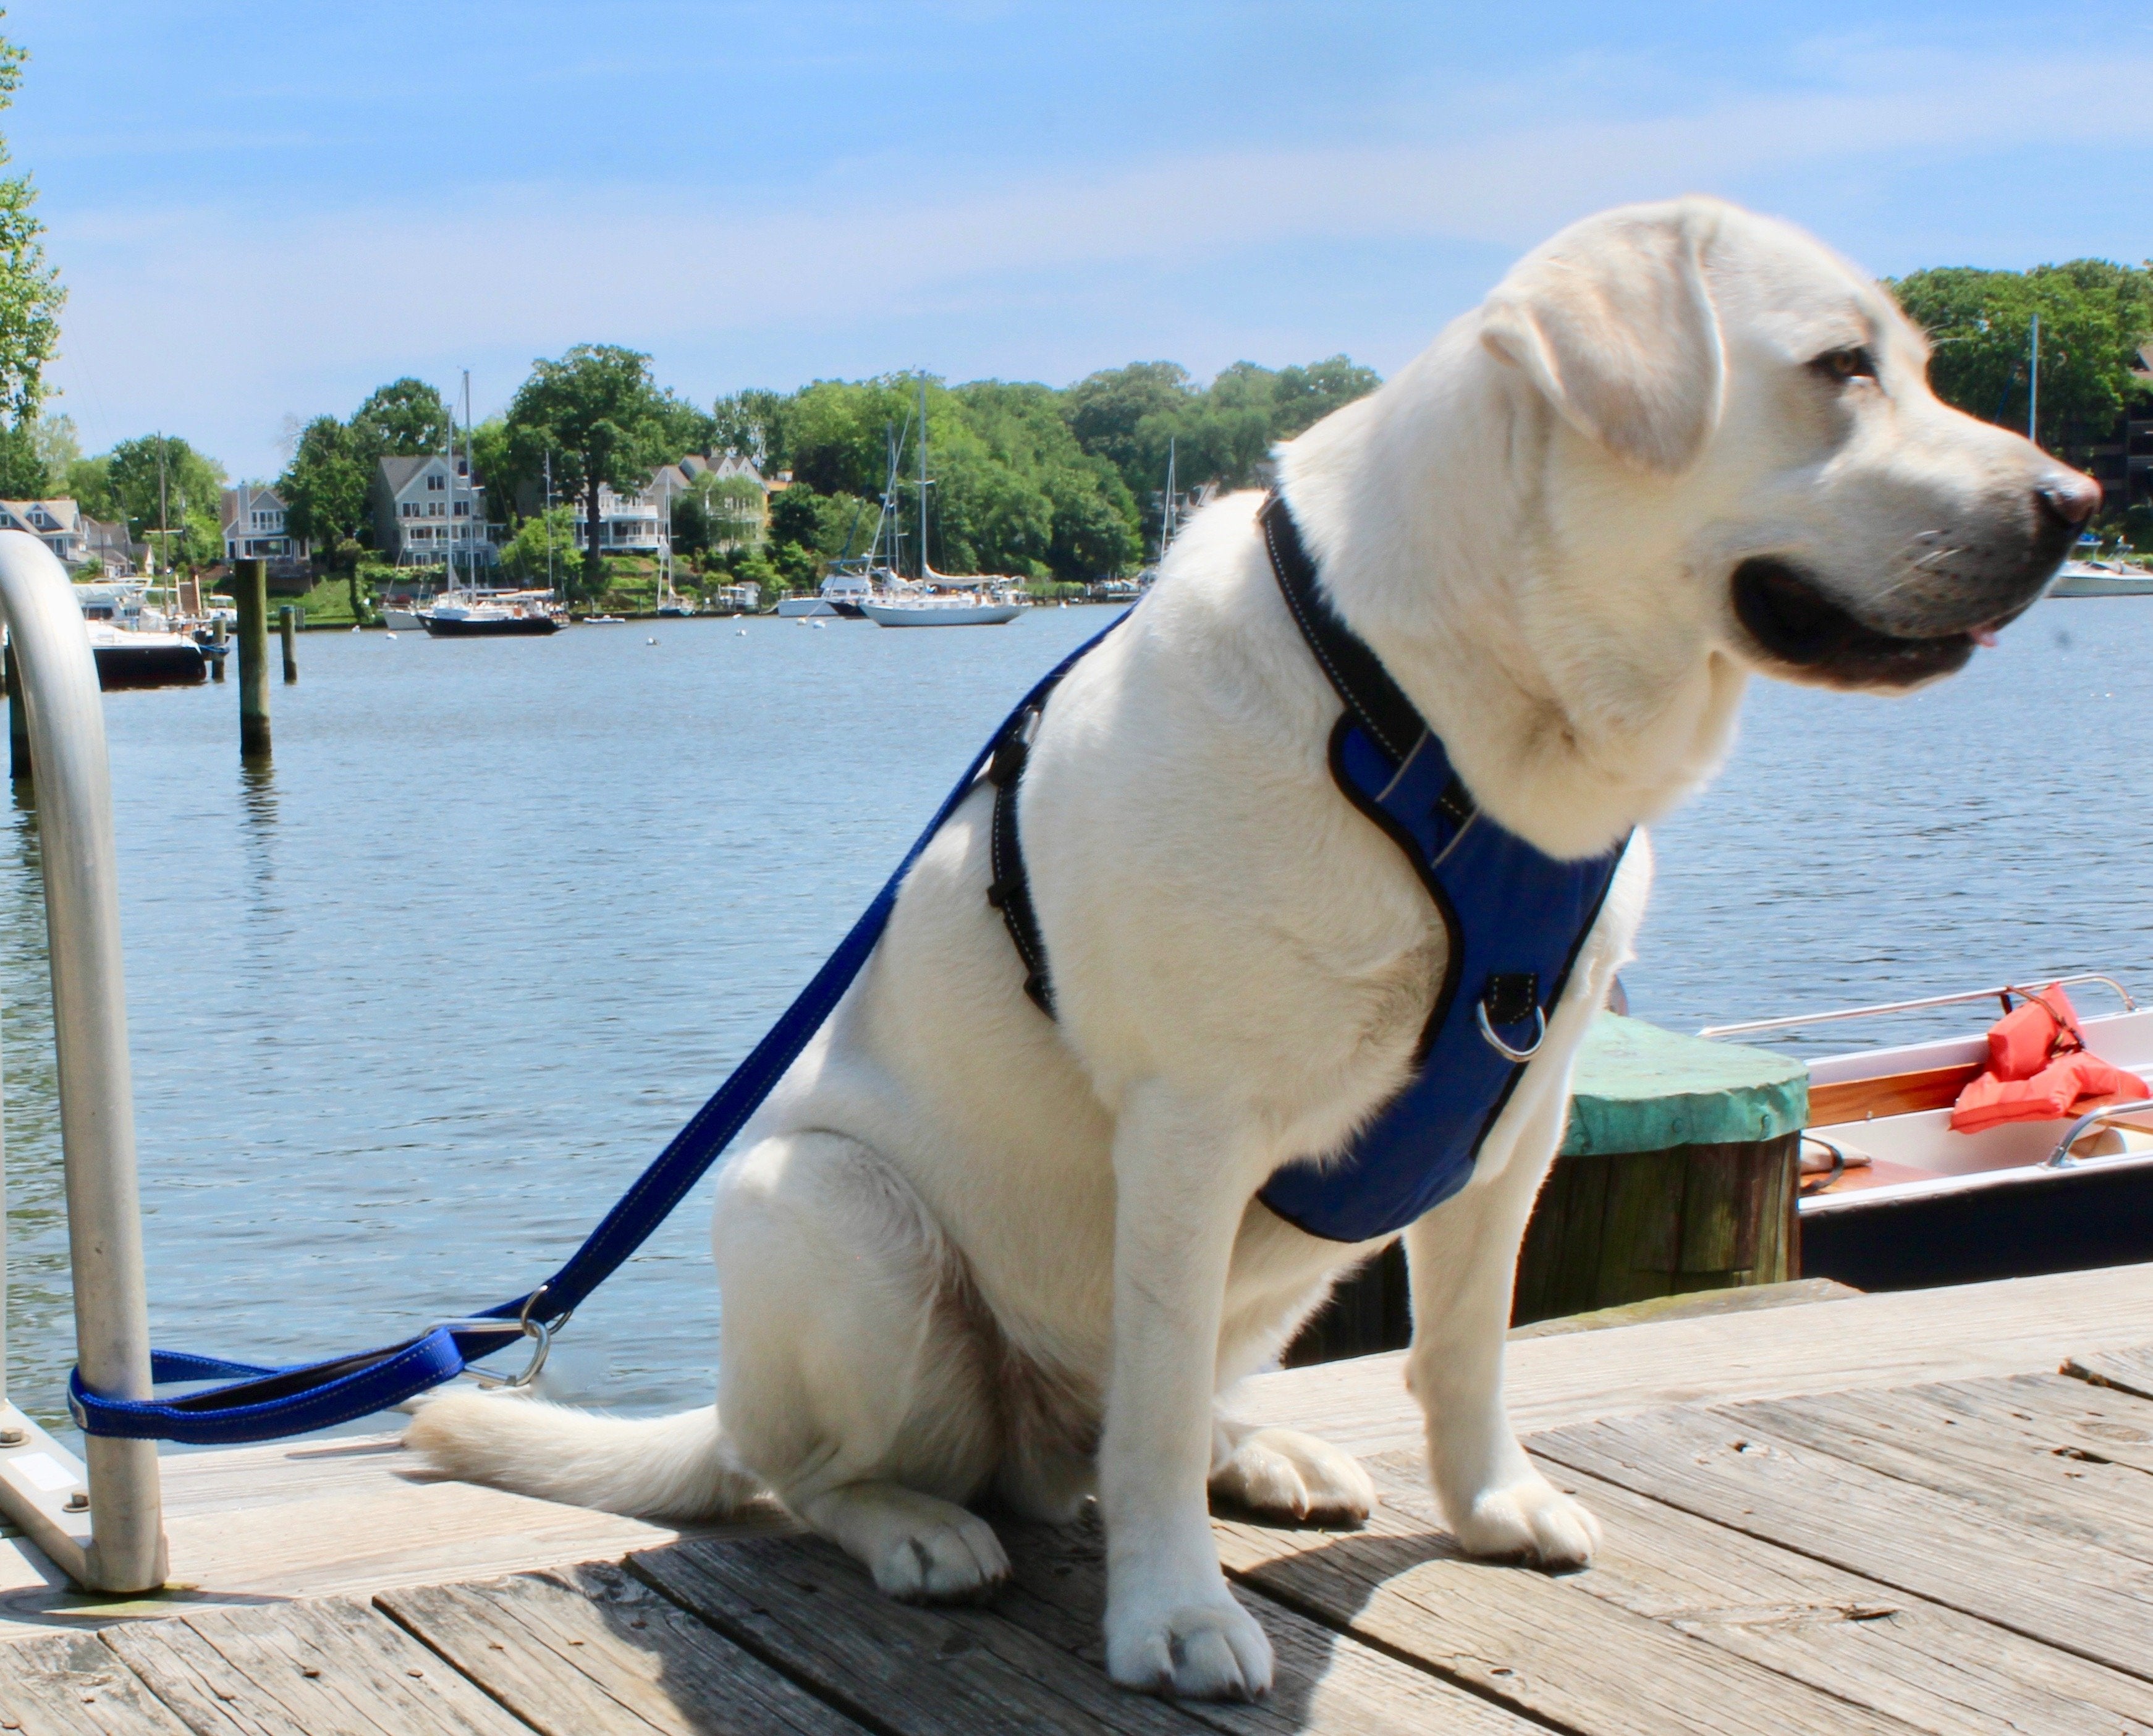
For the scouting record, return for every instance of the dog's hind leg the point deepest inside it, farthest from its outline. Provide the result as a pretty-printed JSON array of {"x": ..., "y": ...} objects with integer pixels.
[
  {"x": 852, "y": 1374},
  {"x": 1463, "y": 1257}
]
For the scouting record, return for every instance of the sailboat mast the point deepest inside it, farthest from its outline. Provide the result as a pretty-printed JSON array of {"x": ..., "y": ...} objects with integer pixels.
[
  {"x": 2033, "y": 396},
  {"x": 470, "y": 496},
  {"x": 923, "y": 479}
]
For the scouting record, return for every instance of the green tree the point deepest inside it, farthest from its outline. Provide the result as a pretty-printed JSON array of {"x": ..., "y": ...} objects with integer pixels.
[
  {"x": 542, "y": 549},
  {"x": 404, "y": 419},
  {"x": 754, "y": 423},
  {"x": 30, "y": 293},
  {"x": 1104, "y": 411},
  {"x": 88, "y": 481},
  {"x": 605, "y": 423},
  {"x": 2094, "y": 315},
  {"x": 734, "y": 510},
  {"x": 795, "y": 515},
  {"x": 160, "y": 478},
  {"x": 324, "y": 487}
]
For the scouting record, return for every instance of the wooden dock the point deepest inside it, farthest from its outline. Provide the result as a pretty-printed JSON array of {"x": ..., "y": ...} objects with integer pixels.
[{"x": 1875, "y": 1514}]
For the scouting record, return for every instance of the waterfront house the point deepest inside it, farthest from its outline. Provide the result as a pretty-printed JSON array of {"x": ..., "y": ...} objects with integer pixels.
[
  {"x": 637, "y": 523},
  {"x": 254, "y": 529},
  {"x": 112, "y": 548},
  {"x": 56, "y": 523},
  {"x": 429, "y": 510}
]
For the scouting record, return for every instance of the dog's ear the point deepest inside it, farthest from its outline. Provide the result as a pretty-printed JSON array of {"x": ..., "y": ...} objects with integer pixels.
[{"x": 1613, "y": 322}]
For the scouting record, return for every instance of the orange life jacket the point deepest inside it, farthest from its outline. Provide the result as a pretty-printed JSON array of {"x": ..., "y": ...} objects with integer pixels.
[{"x": 2040, "y": 1069}]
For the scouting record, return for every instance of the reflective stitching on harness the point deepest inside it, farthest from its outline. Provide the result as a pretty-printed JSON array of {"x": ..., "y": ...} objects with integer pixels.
[
  {"x": 1314, "y": 638},
  {"x": 1384, "y": 793}
]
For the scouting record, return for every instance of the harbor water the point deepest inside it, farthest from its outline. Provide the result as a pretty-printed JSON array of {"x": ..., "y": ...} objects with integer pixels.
[{"x": 410, "y": 1009}]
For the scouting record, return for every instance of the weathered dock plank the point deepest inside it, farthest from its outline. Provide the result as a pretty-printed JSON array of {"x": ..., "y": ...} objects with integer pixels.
[
  {"x": 1955, "y": 1551},
  {"x": 594, "y": 1652},
  {"x": 1543, "y": 1645},
  {"x": 2016, "y": 1325},
  {"x": 72, "y": 1685},
  {"x": 1324, "y": 1681},
  {"x": 907, "y": 1670},
  {"x": 2067, "y": 1417},
  {"x": 2129, "y": 1369},
  {"x": 1899, "y": 1434},
  {"x": 1933, "y": 1668},
  {"x": 328, "y": 1667}
]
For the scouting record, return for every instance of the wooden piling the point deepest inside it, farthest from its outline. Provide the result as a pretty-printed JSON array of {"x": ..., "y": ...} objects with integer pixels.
[
  {"x": 250, "y": 591},
  {"x": 19, "y": 722},
  {"x": 218, "y": 635},
  {"x": 1677, "y": 1173},
  {"x": 288, "y": 628}
]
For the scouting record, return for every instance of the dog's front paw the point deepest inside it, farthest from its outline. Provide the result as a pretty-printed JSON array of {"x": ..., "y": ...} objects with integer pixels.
[
  {"x": 1283, "y": 1473},
  {"x": 1529, "y": 1519},
  {"x": 1211, "y": 1650},
  {"x": 946, "y": 1561}
]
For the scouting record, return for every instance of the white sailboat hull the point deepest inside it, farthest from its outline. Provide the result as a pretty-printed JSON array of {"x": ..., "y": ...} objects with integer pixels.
[{"x": 940, "y": 615}]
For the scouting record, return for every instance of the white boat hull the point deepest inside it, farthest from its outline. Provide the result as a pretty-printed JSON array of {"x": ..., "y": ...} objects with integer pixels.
[
  {"x": 791, "y": 606},
  {"x": 402, "y": 620},
  {"x": 940, "y": 615},
  {"x": 2102, "y": 584}
]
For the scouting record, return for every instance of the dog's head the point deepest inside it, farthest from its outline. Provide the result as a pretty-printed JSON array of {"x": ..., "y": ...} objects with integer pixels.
[{"x": 1829, "y": 519}]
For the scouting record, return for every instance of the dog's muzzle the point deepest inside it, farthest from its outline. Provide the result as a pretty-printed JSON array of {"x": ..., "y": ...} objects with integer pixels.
[{"x": 1794, "y": 623}]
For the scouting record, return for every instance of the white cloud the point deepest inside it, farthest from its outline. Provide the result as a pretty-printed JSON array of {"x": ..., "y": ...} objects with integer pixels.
[{"x": 226, "y": 319}]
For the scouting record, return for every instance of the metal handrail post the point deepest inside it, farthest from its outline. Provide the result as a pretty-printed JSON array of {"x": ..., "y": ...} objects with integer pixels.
[{"x": 123, "y": 1549}]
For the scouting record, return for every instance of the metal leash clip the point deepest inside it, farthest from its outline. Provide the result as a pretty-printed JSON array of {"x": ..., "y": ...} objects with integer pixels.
[{"x": 541, "y": 1334}]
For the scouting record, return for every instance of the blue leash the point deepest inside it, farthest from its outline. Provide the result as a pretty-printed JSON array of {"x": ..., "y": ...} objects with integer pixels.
[{"x": 268, "y": 1402}]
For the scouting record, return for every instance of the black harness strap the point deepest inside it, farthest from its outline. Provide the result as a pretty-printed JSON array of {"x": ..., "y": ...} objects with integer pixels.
[
  {"x": 1010, "y": 891},
  {"x": 1357, "y": 674},
  {"x": 1370, "y": 694}
]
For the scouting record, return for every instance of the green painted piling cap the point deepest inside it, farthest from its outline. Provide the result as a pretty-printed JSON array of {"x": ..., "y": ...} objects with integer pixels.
[{"x": 1640, "y": 1088}]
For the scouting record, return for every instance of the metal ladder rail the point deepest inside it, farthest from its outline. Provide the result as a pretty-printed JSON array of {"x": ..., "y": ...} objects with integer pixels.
[{"x": 113, "y": 1541}]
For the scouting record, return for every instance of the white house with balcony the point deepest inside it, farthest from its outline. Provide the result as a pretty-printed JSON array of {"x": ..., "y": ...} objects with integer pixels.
[
  {"x": 431, "y": 512},
  {"x": 638, "y": 523},
  {"x": 56, "y": 523}
]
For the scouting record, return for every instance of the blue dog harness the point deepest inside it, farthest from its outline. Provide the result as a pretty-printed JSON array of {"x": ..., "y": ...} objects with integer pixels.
[{"x": 1515, "y": 919}]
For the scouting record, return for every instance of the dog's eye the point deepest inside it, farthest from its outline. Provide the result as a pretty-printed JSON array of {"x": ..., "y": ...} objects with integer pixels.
[{"x": 1844, "y": 365}]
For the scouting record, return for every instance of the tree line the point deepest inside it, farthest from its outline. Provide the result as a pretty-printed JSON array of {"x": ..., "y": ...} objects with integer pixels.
[{"x": 1028, "y": 480}]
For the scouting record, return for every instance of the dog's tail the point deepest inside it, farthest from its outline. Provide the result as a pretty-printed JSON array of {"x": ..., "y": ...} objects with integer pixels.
[{"x": 677, "y": 1467}]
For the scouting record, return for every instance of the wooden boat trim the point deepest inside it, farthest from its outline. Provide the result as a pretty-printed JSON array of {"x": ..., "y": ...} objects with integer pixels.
[{"x": 1856, "y": 1100}]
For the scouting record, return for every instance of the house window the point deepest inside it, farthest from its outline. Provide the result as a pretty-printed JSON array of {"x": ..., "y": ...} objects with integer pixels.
[
  {"x": 435, "y": 481},
  {"x": 434, "y": 509},
  {"x": 463, "y": 509}
]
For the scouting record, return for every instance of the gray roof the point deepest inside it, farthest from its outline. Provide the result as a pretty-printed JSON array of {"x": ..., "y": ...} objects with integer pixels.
[{"x": 397, "y": 471}]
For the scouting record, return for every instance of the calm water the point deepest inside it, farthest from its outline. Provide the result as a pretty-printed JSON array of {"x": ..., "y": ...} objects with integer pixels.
[{"x": 409, "y": 1012}]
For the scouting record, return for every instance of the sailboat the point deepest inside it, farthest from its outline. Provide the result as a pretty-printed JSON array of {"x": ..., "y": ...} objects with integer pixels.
[
  {"x": 465, "y": 613},
  {"x": 983, "y": 602}
]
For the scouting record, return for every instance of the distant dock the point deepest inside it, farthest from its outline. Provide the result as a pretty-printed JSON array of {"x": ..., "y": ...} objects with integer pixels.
[{"x": 1878, "y": 1514}]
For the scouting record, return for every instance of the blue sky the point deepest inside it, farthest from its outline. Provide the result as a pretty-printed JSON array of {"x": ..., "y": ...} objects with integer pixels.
[{"x": 263, "y": 210}]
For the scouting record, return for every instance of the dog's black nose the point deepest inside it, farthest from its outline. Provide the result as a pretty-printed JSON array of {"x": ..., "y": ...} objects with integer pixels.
[{"x": 2070, "y": 498}]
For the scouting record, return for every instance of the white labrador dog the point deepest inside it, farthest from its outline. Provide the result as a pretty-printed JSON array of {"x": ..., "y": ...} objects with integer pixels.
[{"x": 969, "y": 1250}]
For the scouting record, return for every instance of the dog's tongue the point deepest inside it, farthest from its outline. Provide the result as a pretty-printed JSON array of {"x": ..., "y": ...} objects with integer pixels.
[{"x": 1982, "y": 635}]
